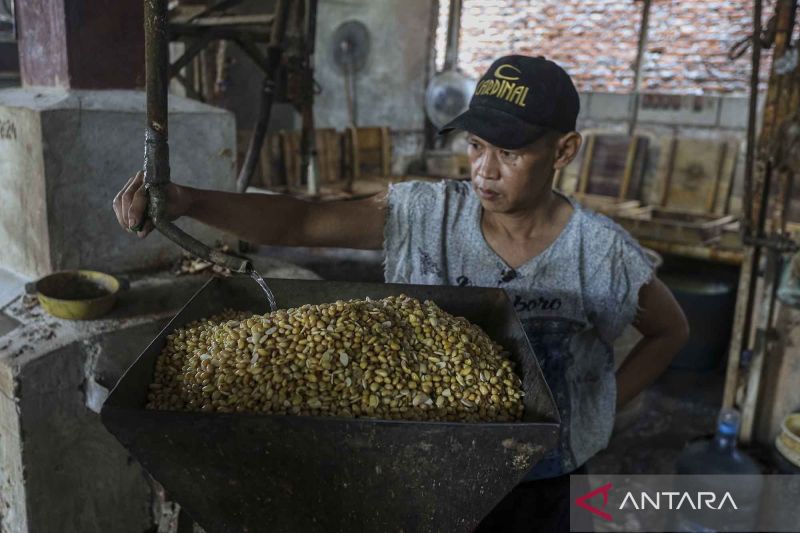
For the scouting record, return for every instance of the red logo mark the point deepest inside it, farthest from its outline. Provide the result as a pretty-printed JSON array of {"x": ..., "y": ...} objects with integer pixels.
[{"x": 581, "y": 502}]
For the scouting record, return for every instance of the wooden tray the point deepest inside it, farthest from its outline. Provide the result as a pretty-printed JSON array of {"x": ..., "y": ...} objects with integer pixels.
[
  {"x": 731, "y": 236},
  {"x": 607, "y": 205},
  {"x": 659, "y": 223}
]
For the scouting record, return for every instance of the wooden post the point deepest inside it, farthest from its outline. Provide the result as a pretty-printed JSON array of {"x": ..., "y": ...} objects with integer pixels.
[
  {"x": 81, "y": 44},
  {"x": 673, "y": 152},
  {"x": 630, "y": 162},
  {"x": 637, "y": 71},
  {"x": 586, "y": 166}
]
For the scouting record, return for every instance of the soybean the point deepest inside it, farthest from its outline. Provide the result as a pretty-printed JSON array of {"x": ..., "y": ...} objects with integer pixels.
[{"x": 395, "y": 358}]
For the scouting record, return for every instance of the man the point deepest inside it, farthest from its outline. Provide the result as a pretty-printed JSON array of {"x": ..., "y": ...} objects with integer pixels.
[{"x": 576, "y": 278}]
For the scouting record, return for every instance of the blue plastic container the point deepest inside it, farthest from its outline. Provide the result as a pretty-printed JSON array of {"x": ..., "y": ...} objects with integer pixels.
[{"x": 707, "y": 461}]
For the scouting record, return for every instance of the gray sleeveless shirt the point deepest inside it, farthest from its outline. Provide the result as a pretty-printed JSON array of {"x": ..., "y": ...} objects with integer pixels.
[{"x": 573, "y": 299}]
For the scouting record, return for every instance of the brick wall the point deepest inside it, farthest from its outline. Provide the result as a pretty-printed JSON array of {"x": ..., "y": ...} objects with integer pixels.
[{"x": 595, "y": 41}]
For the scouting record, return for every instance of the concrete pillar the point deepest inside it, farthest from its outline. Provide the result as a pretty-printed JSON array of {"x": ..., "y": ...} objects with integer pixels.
[
  {"x": 60, "y": 470},
  {"x": 68, "y": 142},
  {"x": 63, "y": 156}
]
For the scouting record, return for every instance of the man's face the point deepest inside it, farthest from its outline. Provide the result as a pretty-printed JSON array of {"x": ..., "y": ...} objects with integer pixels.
[{"x": 509, "y": 181}]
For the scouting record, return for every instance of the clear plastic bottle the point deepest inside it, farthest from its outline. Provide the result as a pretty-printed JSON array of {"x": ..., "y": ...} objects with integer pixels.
[{"x": 708, "y": 461}]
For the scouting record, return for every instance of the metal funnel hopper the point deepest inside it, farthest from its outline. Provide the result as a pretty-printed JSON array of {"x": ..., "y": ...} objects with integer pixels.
[{"x": 251, "y": 472}]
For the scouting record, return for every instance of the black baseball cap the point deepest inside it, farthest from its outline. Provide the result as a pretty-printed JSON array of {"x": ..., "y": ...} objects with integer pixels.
[{"x": 519, "y": 99}]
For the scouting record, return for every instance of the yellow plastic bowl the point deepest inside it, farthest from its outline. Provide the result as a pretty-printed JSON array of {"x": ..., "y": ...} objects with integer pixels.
[{"x": 77, "y": 294}]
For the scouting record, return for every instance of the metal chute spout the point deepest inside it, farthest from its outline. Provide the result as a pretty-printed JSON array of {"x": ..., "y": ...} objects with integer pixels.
[{"x": 263, "y": 472}]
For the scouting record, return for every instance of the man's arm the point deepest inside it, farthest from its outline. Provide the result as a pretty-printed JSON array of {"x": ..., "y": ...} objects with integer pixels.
[
  {"x": 663, "y": 324},
  {"x": 263, "y": 218}
]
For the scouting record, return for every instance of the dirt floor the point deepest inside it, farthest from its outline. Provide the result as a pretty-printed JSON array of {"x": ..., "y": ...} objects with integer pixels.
[{"x": 649, "y": 434}]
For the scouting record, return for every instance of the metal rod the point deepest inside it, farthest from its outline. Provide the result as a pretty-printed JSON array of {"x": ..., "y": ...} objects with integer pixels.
[
  {"x": 227, "y": 32},
  {"x": 761, "y": 170},
  {"x": 453, "y": 34},
  {"x": 257, "y": 139},
  {"x": 763, "y": 197},
  {"x": 156, "y": 155},
  {"x": 637, "y": 69},
  {"x": 348, "y": 93},
  {"x": 673, "y": 152},
  {"x": 308, "y": 145},
  {"x": 234, "y": 20},
  {"x": 630, "y": 161},
  {"x": 749, "y": 270},
  {"x": 761, "y": 345},
  {"x": 714, "y": 193},
  {"x": 189, "y": 87},
  {"x": 270, "y": 67},
  {"x": 770, "y": 137},
  {"x": 252, "y": 51},
  {"x": 278, "y": 29},
  {"x": 219, "y": 6},
  {"x": 747, "y": 220},
  {"x": 779, "y": 243},
  {"x": 586, "y": 165},
  {"x": 429, "y": 130},
  {"x": 311, "y": 29},
  {"x": 195, "y": 48},
  {"x": 308, "y": 158}
]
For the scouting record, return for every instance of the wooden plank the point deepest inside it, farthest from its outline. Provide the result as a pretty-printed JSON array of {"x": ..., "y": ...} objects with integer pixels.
[
  {"x": 183, "y": 13},
  {"x": 273, "y": 170},
  {"x": 703, "y": 252},
  {"x": 328, "y": 155},
  {"x": 369, "y": 138},
  {"x": 617, "y": 166},
  {"x": 355, "y": 153},
  {"x": 291, "y": 158},
  {"x": 233, "y": 20},
  {"x": 699, "y": 176},
  {"x": 583, "y": 177},
  {"x": 722, "y": 204},
  {"x": 739, "y": 319},
  {"x": 607, "y": 205},
  {"x": 763, "y": 345},
  {"x": 608, "y": 165},
  {"x": 351, "y": 156},
  {"x": 685, "y": 227},
  {"x": 369, "y": 149},
  {"x": 386, "y": 152},
  {"x": 630, "y": 159},
  {"x": 714, "y": 190},
  {"x": 557, "y": 178},
  {"x": 264, "y": 171},
  {"x": 669, "y": 168}
]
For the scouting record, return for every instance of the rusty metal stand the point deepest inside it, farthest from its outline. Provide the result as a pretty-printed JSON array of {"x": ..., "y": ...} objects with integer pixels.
[
  {"x": 771, "y": 165},
  {"x": 288, "y": 34},
  {"x": 269, "y": 66}
]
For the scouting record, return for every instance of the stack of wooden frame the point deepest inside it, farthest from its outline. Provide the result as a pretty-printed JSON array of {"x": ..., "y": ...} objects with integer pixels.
[
  {"x": 685, "y": 208},
  {"x": 609, "y": 174},
  {"x": 694, "y": 179},
  {"x": 343, "y": 159}
]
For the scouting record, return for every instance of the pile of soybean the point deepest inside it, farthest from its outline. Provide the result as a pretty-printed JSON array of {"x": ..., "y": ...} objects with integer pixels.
[{"x": 395, "y": 358}]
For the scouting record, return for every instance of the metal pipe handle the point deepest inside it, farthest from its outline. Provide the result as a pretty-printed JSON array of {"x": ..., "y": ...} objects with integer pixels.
[{"x": 156, "y": 147}]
